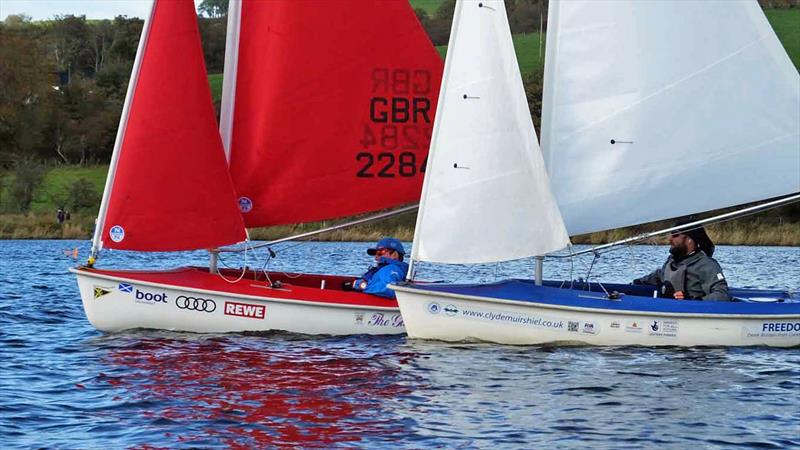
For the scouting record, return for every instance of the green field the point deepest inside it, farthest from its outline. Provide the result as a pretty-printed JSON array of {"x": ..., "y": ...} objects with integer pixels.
[
  {"x": 216, "y": 85},
  {"x": 430, "y": 6},
  {"x": 52, "y": 193},
  {"x": 786, "y": 23},
  {"x": 528, "y": 47},
  {"x": 772, "y": 228}
]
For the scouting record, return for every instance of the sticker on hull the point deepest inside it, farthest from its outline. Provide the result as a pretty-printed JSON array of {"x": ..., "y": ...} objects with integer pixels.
[
  {"x": 100, "y": 291},
  {"x": 512, "y": 318},
  {"x": 777, "y": 328},
  {"x": 245, "y": 310},
  {"x": 662, "y": 328}
]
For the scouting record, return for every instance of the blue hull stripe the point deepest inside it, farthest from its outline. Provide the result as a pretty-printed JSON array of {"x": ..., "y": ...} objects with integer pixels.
[{"x": 578, "y": 296}]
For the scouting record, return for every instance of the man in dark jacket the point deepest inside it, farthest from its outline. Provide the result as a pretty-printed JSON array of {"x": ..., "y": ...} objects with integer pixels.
[
  {"x": 390, "y": 268},
  {"x": 690, "y": 272}
]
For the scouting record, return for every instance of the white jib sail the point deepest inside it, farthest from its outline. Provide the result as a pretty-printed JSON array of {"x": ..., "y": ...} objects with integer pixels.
[
  {"x": 662, "y": 108},
  {"x": 486, "y": 195}
]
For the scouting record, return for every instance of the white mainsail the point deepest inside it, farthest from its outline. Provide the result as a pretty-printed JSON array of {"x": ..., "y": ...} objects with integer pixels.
[
  {"x": 699, "y": 98},
  {"x": 486, "y": 196}
]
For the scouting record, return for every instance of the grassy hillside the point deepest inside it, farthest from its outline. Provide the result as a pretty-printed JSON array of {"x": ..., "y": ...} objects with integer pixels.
[
  {"x": 430, "y": 6},
  {"x": 786, "y": 23},
  {"x": 774, "y": 228},
  {"x": 216, "y": 85},
  {"x": 530, "y": 47},
  {"x": 54, "y": 189}
]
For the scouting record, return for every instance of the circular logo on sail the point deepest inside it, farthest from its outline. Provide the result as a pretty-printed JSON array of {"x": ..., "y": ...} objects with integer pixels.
[
  {"x": 117, "y": 233},
  {"x": 245, "y": 204},
  {"x": 434, "y": 308}
]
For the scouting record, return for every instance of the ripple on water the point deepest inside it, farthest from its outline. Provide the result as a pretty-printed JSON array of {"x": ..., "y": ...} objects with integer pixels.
[{"x": 65, "y": 385}]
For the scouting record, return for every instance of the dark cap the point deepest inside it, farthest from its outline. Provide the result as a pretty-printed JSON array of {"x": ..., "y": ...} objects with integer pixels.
[
  {"x": 390, "y": 243},
  {"x": 699, "y": 236}
]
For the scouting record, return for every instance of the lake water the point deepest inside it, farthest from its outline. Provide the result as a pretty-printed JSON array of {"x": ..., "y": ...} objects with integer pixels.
[{"x": 65, "y": 385}]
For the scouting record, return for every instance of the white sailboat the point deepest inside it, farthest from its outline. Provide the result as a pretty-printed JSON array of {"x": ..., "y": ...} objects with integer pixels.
[
  {"x": 327, "y": 109},
  {"x": 652, "y": 110}
]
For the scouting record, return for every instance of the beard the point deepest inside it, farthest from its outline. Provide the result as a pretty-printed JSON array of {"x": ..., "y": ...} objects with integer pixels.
[{"x": 678, "y": 251}]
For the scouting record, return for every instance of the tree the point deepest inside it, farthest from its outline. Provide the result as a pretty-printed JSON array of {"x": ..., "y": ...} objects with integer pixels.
[
  {"x": 70, "y": 43},
  {"x": 438, "y": 27},
  {"x": 101, "y": 36},
  {"x": 126, "y": 38},
  {"x": 28, "y": 175},
  {"x": 525, "y": 16},
  {"x": 213, "y": 8},
  {"x": 26, "y": 81},
  {"x": 212, "y": 35}
]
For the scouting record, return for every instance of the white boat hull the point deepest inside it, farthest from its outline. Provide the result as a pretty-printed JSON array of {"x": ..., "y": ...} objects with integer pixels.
[
  {"x": 126, "y": 301},
  {"x": 456, "y": 317}
]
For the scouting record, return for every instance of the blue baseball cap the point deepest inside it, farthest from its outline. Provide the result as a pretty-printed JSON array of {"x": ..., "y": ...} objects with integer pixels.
[{"x": 390, "y": 243}]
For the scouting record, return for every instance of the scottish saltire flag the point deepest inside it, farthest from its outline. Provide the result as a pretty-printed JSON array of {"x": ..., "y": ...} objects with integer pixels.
[{"x": 125, "y": 287}]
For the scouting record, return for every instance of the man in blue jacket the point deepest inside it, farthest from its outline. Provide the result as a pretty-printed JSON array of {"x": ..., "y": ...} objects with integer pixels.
[{"x": 390, "y": 268}]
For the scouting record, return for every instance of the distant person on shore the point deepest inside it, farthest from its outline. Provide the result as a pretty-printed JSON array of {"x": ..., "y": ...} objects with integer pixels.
[
  {"x": 690, "y": 272},
  {"x": 389, "y": 268},
  {"x": 61, "y": 216}
]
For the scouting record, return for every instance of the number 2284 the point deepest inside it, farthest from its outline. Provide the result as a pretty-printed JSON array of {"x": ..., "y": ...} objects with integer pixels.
[{"x": 389, "y": 165}]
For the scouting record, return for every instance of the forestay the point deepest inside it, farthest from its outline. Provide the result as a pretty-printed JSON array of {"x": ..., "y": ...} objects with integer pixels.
[
  {"x": 486, "y": 196},
  {"x": 650, "y": 112}
]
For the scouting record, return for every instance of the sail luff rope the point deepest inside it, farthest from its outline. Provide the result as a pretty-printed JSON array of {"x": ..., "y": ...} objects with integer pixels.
[{"x": 97, "y": 241}]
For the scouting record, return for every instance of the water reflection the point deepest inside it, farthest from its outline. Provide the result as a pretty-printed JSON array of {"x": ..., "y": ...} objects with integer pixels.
[{"x": 249, "y": 391}]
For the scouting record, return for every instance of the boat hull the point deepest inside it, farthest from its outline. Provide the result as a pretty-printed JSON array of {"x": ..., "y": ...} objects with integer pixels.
[
  {"x": 191, "y": 299},
  {"x": 547, "y": 315}
]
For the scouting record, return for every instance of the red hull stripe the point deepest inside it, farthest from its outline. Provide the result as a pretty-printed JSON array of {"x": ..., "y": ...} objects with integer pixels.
[{"x": 295, "y": 288}]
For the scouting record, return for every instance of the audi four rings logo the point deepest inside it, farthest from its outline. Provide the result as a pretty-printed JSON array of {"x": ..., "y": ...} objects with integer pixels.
[{"x": 195, "y": 304}]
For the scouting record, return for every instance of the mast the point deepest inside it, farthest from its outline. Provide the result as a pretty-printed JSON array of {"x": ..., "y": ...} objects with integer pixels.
[
  {"x": 229, "y": 75},
  {"x": 228, "y": 96},
  {"x": 448, "y": 63},
  {"x": 486, "y": 196},
  {"x": 97, "y": 241}
]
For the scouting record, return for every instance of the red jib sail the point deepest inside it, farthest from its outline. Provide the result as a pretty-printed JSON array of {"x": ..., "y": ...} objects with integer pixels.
[
  {"x": 171, "y": 187},
  {"x": 332, "y": 110}
]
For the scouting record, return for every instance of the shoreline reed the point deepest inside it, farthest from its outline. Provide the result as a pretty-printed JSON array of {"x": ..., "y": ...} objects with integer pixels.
[{"x": 80, "y": 226}]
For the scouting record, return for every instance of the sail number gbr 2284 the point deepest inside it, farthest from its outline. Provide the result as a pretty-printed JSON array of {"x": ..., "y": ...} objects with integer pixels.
[{"x": 398, "y": 133}]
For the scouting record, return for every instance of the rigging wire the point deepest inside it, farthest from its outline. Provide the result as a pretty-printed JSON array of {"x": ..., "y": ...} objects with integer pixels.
[{"x": 244, "y": 268}]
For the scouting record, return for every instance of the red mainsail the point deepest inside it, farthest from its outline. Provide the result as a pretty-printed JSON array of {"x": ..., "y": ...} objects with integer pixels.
[
  {"x": 171, "y": 187},
  {"x": 333, "y": 108}
]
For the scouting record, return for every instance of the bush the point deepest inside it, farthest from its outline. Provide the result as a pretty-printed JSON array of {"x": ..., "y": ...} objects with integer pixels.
[
  {"x": 28, "y": 175},
  {"x": 82, "y": 196}
]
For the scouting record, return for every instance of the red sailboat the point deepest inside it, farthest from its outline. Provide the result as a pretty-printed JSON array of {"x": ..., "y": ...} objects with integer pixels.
[{"x": 327, "y": 111}]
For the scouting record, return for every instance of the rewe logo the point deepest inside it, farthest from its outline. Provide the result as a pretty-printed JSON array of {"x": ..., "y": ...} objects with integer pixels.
[
  {"x": 149, "y": 297},
  {"x": 245, "y": 310}
]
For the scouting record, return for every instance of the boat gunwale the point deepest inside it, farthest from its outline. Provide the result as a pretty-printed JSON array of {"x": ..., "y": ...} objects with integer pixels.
[
  {"x": 323, "y": 304},
  {"x": 408, "y": 288}
]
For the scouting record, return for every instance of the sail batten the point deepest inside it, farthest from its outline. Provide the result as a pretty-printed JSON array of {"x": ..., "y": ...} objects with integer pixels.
[{"x": 644, "y": 120}]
